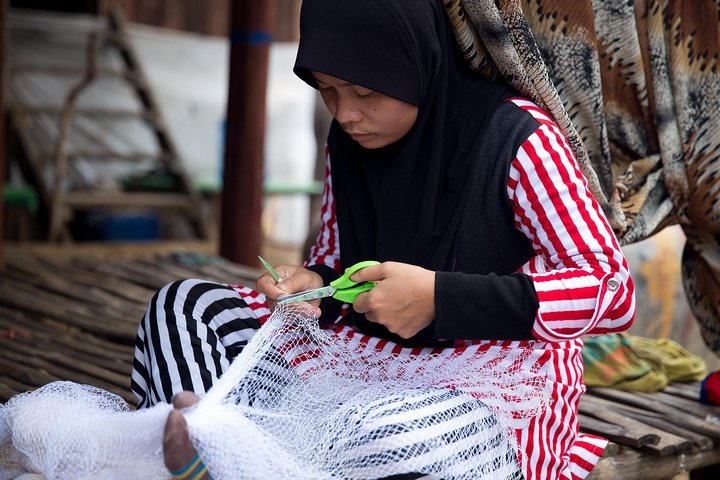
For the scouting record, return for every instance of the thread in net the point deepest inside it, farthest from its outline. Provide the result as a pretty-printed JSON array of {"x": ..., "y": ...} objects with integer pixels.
[{"x": 302, "y": 402}]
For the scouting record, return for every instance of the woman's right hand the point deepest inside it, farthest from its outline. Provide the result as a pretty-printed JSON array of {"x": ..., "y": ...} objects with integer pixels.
[{"x": 294, "y": 279}]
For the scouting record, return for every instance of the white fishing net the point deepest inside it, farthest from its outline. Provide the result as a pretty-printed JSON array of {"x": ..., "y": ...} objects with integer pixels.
[{"x": 299, "y": 402}]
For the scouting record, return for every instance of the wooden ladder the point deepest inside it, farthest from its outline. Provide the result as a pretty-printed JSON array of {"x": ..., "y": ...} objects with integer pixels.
[{"x": 179, "y": 198}]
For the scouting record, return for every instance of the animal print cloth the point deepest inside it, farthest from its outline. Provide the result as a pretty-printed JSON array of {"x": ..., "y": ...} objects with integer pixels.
[{"x": 635, "y": 88}]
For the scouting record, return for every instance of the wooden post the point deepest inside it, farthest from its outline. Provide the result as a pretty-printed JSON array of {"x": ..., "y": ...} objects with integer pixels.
[{"x": 241, "y": 201}]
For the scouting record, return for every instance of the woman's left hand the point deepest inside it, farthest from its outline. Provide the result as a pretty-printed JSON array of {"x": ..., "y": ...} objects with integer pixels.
[{"x": 403, "y": 299}]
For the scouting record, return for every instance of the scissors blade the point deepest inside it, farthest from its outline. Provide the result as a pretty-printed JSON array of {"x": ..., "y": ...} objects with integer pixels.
[{"x": 307, "y": 295}]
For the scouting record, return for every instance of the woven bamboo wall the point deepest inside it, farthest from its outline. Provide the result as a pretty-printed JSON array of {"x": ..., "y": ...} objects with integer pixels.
[{"x": 210, "y": 17}]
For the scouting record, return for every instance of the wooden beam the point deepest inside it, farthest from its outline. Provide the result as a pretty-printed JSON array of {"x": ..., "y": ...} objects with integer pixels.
[
  {"x": 127, "y": 201},
  {"x": 241, "y": 202}
]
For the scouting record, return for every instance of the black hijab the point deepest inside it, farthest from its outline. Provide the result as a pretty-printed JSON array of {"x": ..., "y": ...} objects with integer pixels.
[{"x": 402, "y": 202}]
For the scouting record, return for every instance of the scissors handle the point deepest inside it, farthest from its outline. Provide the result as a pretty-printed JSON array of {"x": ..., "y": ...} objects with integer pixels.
[
  {"x": 348, "y": 290},
  {"x": 348, "y": 295}
]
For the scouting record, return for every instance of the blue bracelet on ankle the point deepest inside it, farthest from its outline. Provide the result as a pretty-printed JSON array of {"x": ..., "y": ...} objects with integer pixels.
[{"x": 190, "y": 469}]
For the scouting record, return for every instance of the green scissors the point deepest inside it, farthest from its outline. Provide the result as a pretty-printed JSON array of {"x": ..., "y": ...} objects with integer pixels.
[{"x": 342, "y": 289}]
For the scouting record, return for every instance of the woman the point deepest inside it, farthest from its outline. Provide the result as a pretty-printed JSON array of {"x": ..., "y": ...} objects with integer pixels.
[{"x": 467, "y": 194}]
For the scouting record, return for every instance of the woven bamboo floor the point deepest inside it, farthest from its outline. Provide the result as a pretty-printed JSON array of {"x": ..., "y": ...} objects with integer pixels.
[{"x": 75, "y": 317}]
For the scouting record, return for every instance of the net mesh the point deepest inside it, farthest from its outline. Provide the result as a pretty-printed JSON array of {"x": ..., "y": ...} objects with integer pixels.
[{"x": 301, "y": 402}]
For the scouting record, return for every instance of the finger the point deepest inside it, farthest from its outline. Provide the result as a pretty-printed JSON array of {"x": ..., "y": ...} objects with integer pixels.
[
  {"x": 294, "y": 284},
  {"x": 264, "y": 281},
  {"x": 300, "y": 281},
  {"x": 362, "y": 303},
  {"x": 310, "y": 310},
  {"x": 272, "y": 291},
  {"x": 373, "y": 273},
  {"x": 285, "y": 271}
]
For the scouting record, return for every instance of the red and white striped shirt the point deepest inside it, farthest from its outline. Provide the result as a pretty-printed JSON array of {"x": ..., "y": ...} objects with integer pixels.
[{"x": 580, "y": 276}]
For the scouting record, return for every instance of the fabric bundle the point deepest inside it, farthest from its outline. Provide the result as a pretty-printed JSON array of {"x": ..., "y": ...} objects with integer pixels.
[{"x": 631, "y": 362}]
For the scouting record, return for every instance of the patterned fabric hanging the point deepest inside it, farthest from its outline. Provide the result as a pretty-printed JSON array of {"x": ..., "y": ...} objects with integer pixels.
[{"x": 635, "y": 88}]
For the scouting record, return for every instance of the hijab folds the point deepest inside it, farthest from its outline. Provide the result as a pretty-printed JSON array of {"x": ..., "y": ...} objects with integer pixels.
[{"x": 402, "y": 202}]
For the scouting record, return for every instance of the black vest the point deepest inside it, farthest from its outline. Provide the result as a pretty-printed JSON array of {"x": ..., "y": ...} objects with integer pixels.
[{"x": 487, "y": 240}]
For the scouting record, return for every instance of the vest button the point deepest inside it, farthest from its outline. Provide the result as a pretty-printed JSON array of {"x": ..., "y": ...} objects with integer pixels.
[{"x": 613, "y": 285}]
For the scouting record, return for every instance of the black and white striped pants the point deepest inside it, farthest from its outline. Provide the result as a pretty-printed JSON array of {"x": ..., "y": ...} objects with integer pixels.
[
  {"x": 190, "y": 333},
  {"x": 193, "y": 329}
]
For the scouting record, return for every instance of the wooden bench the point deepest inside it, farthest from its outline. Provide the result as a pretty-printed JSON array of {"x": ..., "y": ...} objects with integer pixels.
[{"x": 75, "y": 318}]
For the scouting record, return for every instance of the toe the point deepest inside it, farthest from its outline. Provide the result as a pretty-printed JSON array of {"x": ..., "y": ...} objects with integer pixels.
[
  {"x": 178, "y": 450},
  {"x": 184, "y": 399}
]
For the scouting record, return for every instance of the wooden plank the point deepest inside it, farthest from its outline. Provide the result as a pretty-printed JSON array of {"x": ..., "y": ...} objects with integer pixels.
[
  {"x": 617, "y": 433},
  {"x": 10, "y": 387},
  {"x": 689, "y": 391},
  {"x": 114, "y": 285},
  {"x": 14, "y": 384},
  {"x": 150, "y": 279},
  {"x": 611, "y": 449},
  {"x": 58, "y": 358},
  {"x": 128, "y": 200},
  {"x": 33, "y": 273},
  {"x": 692, "y": 388},
  {"x": 78, "y": 315},
  {"x": 20, "y": 372},
  {"x": 6, "y": 392},
  {"x": 646, "y": 402},
  {"x": 667, "y": 442},
  {"x": 634, "y": 433},
  {"x": 692, "y": 406},
  {"x": 214, "y": 269},
  {"x": 701, "y": 442},
  {"x": 660, "y": 421},
  {"x": 39, "y": 372},
  {"x": 84, "y": 352},
  {"x": 61, "y": 333},
  {"x": 88, "y": 316},
  {"x": 169, "y": 267},
  {"x": 228, "y": 272}
]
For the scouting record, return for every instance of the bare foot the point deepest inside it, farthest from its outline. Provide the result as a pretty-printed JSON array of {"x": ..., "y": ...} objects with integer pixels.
[{"x": 178, "y": 450}]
